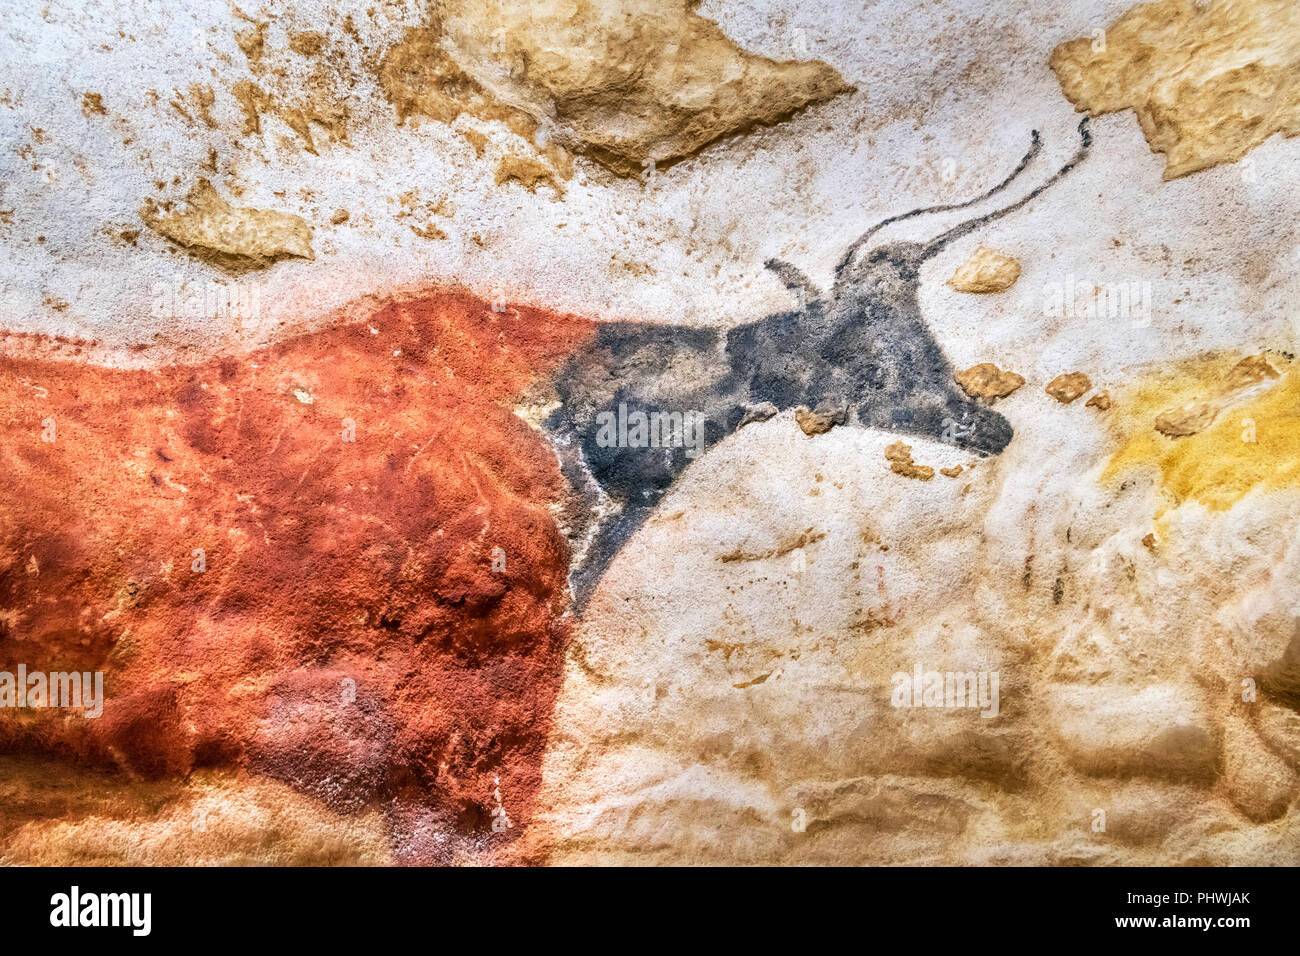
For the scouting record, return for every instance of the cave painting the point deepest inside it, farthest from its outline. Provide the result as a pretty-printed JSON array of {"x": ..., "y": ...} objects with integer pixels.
[
  {"x": 514, "y": 491},
  {"x": 861, "y": 354}
]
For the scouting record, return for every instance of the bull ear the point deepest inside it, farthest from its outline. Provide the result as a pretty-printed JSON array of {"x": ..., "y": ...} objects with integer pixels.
[{"x": 795, "y": 280}]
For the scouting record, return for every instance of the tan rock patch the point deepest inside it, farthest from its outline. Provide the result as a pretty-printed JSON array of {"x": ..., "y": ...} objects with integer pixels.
[
  {"x": 528, "y": 173},
  {"x": 307, "y": 43},
  {"x": 987, "y": 270},
  {"x": 820, "y": 420},
  {"x": 629, "y": 81},
  {"x": 1187, "y": 420},
  {"x": 986, "y": 380},
  {"x": 1208, "y": 82},
  {"x": 899, "y": 456},
  {"x": 1068, "y": 386},
  {"x": 420, "y": 79},
  {"x": 232, "y": 238},
  {"x": 1250, "y": 371}
]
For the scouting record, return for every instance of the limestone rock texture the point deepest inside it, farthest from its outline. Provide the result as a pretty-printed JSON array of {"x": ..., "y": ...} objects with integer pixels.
[
  {"x": 635, "y": 84},
  {"x": 1068, "y": 386},
  {"x": 987, "y": 270},
  {"x": 758, "y": 727},
  {"x": 1208, "y": 81},
  {"x": 234, "y": 239},
  {"x": 305, "y": 307},
  {"x": 986, "y": 380}
]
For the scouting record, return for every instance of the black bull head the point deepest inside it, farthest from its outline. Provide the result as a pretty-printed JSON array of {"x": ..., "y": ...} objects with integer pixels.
[{"x": 644, "y": 400}]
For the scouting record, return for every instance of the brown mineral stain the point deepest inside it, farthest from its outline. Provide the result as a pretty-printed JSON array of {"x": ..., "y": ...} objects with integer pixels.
[
  {"x": 1187, "y": 420},
  {"x": 311, "y": 101},
  {"x": 307, "y": 43},
  {"x": 952, "y": 472},
  {"x": 92, "y": 103},
  {"x": 1100, "y": 401},
  {"x": 802, "y": 540},
  {"x": 987, "y": 270},
  {"x": 340, "y": 217},
  {"x": 236, "y": 239},
  {"x": 1208, "y": 82},
  {"x": 253, "y": 40},
  {"x": 1257, "y": 446},
  {"x": 528, "y": 173},
  {"x": 1068, "y": 386},
  {"x": 422, "y": 210},
  {"x": 195, "y": 104},
  {"x": 476, "y": 140},
  {"x": 420, "y": 78},
  {"x": 1250, "y": 371},
  {"x": 635, "y": 267},
  {"x": 899, "y": 456},
  {"x": 317, "y": 107},
  {"x": 254, "y": 101},
  {"x": 988, "y": 381},
  {"x": 428, "y": 231},
  {"x": 820, "y": 420},
  {"x": 762, "y": 678}
]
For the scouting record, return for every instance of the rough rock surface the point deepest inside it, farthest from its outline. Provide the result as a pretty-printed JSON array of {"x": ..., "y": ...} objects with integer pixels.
[
  {"x": 58, "y": 815},
  {"x": 232, "y": 238},
  {"x": 986, "y": 380},
  {"x": 1242, "y": 380},
  {"x": 987, "y": 270},
  {"x": 634, "y": 84},
  {"x": 1208, "y": 81},
  {"x": 445, "y": 230},
  {"x": 1068, "y": 386},
  {"x": 761, "y": 728},
  {"x": 899, "y": 456}
]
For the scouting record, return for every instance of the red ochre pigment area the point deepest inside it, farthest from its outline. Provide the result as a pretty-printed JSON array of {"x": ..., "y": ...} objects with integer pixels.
[{"x": 327, "y": 561}]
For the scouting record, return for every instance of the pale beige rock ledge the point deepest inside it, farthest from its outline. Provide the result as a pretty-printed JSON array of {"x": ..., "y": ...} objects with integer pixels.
[
  {"x": 740, "y": 711},
  {"x": 633, "y": 84},
  {"x": 1208, "y": 81}
]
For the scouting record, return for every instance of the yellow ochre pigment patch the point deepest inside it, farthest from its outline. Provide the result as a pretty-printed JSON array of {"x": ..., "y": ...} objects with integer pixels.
[{"x": 1219, "y": 465}]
